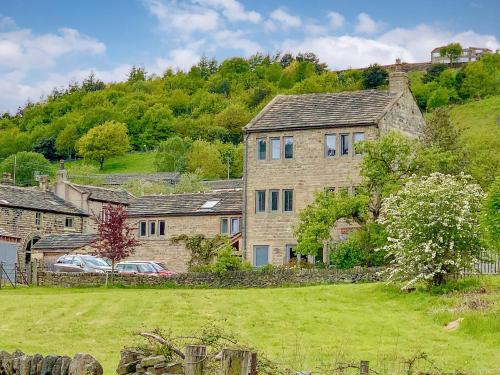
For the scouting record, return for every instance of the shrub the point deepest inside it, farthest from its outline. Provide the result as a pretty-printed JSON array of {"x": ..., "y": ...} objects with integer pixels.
[{"x": 226, "y": 261}]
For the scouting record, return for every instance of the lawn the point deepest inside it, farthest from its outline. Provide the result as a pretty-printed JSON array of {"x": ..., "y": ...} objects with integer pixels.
[
  {"x": 299, "y": 327},
  {"x": 134, "y": 162}
]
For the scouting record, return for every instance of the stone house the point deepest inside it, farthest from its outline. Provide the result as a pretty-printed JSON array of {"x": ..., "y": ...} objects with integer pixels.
[
  {"x": 299, "y": 145},
  {"x": 468, "y": 54},
  {"x": 49, "y": 248},
  {"x": 160, "y": 218},
  {"x": 29, "y": 214}
]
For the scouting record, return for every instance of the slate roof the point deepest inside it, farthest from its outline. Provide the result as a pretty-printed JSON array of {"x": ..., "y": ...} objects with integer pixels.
[
  {"x": 64, "y": 241},
  {"x": 36, "y": 199},
  {"x": 117, "y": 179},
  {"x": 284, "y": 112},
  {"x": 228, "y": 202},
  {"x": 231, "y": 184},
  {"x": 105, "y": 194}
]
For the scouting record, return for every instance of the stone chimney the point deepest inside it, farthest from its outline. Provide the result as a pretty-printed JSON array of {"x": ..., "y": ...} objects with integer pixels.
[
  {"x": 7, "y": 179},
  {"x": 43, "y": 182},
  {"x": 398, "y": 80},
  {"x": 61, "y": 179}
]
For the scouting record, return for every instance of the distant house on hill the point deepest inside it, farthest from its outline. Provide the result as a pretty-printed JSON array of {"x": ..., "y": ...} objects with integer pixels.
[{"x": 468, "y": 55}]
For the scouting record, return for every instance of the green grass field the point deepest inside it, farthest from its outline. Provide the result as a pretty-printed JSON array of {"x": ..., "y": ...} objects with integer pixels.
[
  {"x": 134, "y": 162},
  {"x": 299, "y": 327}
]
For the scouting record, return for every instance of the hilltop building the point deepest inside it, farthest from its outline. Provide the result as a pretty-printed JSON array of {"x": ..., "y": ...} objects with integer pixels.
[{"x": 468, "y": 55}]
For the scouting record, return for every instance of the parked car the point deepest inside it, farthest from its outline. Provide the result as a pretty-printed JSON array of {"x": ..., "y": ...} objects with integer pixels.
[
  {"x": 143, "y": 268},
  {"x": 81, "y": 263}
]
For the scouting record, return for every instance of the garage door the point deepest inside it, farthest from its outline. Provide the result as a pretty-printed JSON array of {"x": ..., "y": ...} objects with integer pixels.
[{"x": 8, "y": 257}]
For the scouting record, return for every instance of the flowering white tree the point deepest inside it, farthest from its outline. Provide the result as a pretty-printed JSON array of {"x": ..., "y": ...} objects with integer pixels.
[{"x": 433, "y": 230}]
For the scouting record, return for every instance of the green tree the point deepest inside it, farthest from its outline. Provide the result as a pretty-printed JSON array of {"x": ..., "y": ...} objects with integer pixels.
[
  {"x": 171, "y": 155},
  {"x": 452, "y": 51},
  {"x": 190, "y": 183},
  {"x": 233, "y": 118},
  {"x": 482, "y": 78},
  {"x": 374, "y": 76},
  {"x": 433, "y": 73},
  {"x": 204, "y": 158},
  {"x": 432, "y": 227},
  {"x": 25, "y": 166},
  {"x": 490, "y": 217},
  {"x": 104, "y": 141},
  {"x": 66, "y": 140},
  {"x": 137, "y": 74}
]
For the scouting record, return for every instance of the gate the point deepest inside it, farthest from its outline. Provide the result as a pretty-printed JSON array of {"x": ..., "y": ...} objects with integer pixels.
[{"x": 8, "y": 259}]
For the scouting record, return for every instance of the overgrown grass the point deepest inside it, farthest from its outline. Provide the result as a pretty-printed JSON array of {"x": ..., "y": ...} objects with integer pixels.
[
  {"x": 300, "y": 327},
  {"x": 134, "y": 162}
]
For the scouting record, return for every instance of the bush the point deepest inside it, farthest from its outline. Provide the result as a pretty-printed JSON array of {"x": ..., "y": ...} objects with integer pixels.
[
  {"x": 227, "y": 262},
  {"x": 27, "y": 166}
]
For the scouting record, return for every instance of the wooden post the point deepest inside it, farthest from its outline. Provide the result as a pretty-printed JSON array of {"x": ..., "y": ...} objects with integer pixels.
[
  {"x": 1, "y": 276},
  {"x": 239, "y": 362},
  {"x": 195, "y": 358},
  {"x": 364, "y": 368},
  {"x": 34, "y": 272}
]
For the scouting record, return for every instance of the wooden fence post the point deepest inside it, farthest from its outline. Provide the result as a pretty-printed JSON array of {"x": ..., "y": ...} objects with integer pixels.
[
  {"x": 238, "y": 362},
  {"x": 34, "y": 272},
  {"x": 195, "y": 358},
  {"x": 364, "y": 368}
]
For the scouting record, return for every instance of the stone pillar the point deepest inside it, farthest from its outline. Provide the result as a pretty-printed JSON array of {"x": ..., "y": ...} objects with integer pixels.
[{"x": 398, "y": 81}]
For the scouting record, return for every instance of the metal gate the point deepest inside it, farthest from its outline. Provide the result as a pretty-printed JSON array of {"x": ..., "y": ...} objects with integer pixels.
[{"x": 8, "y": 259}]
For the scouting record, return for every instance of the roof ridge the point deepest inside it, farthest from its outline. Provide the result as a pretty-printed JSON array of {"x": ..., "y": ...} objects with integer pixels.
[{"x": 262, "y": 112}]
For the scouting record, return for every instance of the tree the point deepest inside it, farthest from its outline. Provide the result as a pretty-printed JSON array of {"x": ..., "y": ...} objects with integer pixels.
[
  {"x": 452, "y": 51},
  {"x": 25, "y": 166},
  {"x": 104, "y": 141},
  {"x": 92, "y": 84},
  {"x": 204, "y": 158},
  {"x": 490, "y": 217},
  {"x": 66, "y": 140},
  {"x": 137, "y": 74},
  {"x": 433, "y": 73},
  {"x": 233, "y": 118},
  {"x": 46, "y": 146},
  {"x": 432, "y": 227},
  {"x": 374, "y": 76},
  {"x": 115, "y": 237},
  {"x": 171, "y": 155}
]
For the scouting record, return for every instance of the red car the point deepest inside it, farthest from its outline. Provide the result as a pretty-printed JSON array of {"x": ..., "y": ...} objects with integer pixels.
[{"x": 143, "y": 268}]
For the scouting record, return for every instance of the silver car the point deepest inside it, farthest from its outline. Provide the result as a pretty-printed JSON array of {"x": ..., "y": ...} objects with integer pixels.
[{"x": 81, "y": 263}]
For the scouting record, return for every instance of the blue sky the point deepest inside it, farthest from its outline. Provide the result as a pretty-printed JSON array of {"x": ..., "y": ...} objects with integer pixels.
[{"x": 47, "y": 43}]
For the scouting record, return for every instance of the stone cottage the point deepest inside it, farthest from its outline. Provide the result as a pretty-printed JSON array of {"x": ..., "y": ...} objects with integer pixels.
[
  {"x": 29, "y": 214},
  {"x": 302, "y": 144},
  {"x": 162, "y": 217}
]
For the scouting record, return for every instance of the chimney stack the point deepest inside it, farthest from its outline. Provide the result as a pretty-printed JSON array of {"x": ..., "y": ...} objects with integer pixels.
[
  {"x": 43, "y": 181},
  {"x": 398, "y": 80},
  {"x": 7, "y": 179}
]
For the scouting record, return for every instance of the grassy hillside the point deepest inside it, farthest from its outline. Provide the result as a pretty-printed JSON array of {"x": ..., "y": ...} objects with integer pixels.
[
  {"x": 299, "y": 327},
  {"x": 480, "y": 125},
  {"x": 136, "y": 162}
]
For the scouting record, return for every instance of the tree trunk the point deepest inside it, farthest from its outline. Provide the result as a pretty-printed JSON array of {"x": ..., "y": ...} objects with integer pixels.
[{"x": 101, "y": 163}]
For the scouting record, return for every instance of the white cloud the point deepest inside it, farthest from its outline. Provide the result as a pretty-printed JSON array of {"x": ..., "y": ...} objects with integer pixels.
[
  {"x": 6, "y": 23},
  {"x": 233, "y": 10},
  {"x": 366, "y": 25},
  {"x": 337, "y": 20},
  {"x": 179, "y": 59},
  {"x": 237, "y": 40},
  {"x": 285, "y": 19},
  {"x": 315, "y": 29}
]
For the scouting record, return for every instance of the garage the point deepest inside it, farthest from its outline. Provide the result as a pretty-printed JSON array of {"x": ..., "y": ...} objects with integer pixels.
[{"x": 8, "y": 256}]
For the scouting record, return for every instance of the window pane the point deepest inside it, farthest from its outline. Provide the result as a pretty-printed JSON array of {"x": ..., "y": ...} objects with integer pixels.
[
  {"x": 152, "y": 228},
  {"x": 331, "y": 145},
  {"x": 288, "y": 141},
  {"x": 235, "y": 225},
  {"x": 142, "y": 229},
  {"x": 261, "y": 256},
  {"x": 161, "y": 228},
  {"x": 275, "y": 148},
  {"x": 288, "y": 200},
  {"x": 261, "y": 149},
  {"x": 223, "y": 225},
  {"x": 260, "y": 201},
  {"x": 274, "y": 200},
  {"x": 344, "y": 144},
  {"x": 358, "y": 137}
]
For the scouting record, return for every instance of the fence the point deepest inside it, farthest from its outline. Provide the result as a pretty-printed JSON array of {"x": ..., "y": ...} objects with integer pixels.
[
  {"x": 12, "y": 274},
  {"x": 489, "y": 266}
]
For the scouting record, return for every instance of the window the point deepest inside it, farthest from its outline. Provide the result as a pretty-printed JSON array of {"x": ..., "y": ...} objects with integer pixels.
[
  {"x": 152, "y": 228},
  {"x": 274, "y": 200},
  {"x": 261, "y": 149},
  {"x": 344, "y": 144},
  {"x": 260, "y": 201},
  {"x": 68, "y": 222},
  {"x": 288, "y": 141},
  {"x": 143, "y": 229},
  {"x": 224, "y": 225},
  {"x": 330, "y": 145},
  {"x": 275, "y": 148},
  {"x": 330, "y": 189},
  {"x": 235, "y": 225},
  {"x": 358, "y": 137},
  {"x": 38, "y": 219},
  {"x": 210, "y": 204},
  {"x": 260, "y": 255},
  {"x": 161, "y": 228},
  {"x": 287, "y": 200}
]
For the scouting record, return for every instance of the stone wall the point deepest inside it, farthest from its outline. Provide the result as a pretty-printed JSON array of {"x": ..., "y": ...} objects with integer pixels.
[
  {"x": 241, "y": 279},
  {"x": 18, "y": 363},
  {"x": 307, "y": 173}
]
